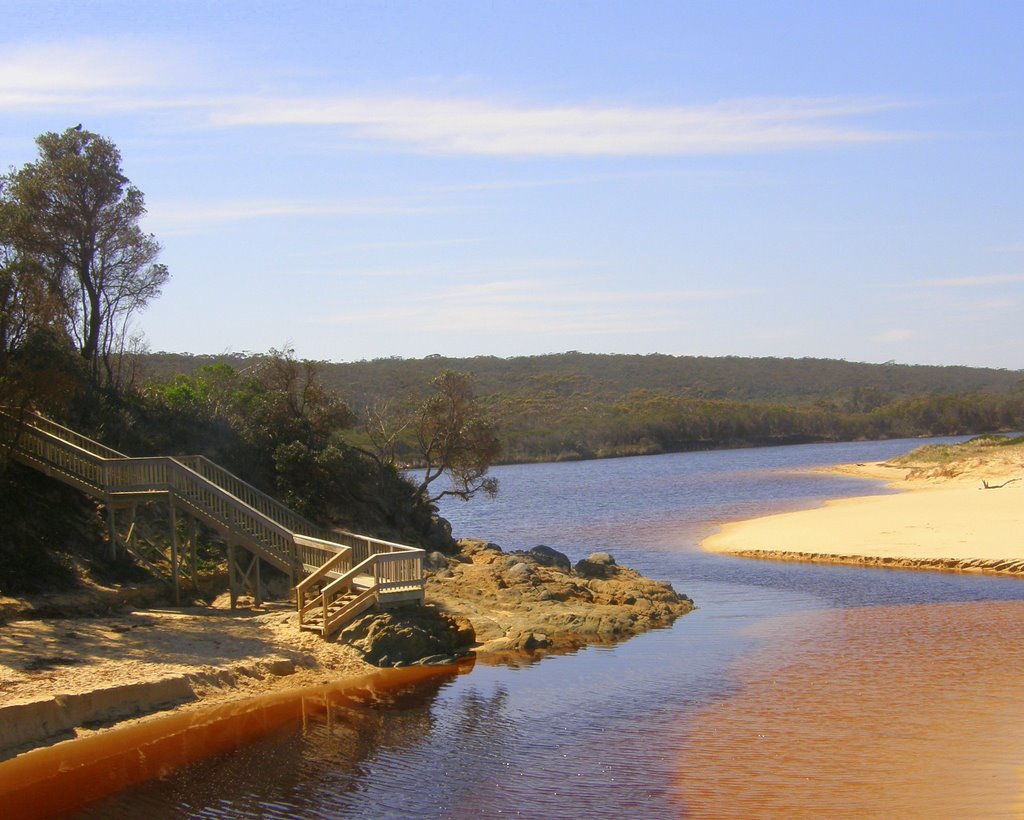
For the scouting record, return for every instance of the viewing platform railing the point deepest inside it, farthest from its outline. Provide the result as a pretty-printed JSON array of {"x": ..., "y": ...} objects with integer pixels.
[{"x": 309, "y": 554}]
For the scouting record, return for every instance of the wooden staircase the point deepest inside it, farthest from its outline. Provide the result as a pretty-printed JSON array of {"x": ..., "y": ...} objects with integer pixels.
[{"x": 335, "y": 574}]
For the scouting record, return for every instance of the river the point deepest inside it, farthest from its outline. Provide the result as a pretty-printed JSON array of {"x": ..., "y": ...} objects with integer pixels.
[{"x": 793, "y": 689}]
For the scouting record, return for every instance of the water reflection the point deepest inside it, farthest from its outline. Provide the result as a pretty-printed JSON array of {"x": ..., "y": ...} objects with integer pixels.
[
  {"x": 912, "y": 711},
  {"x": 52, "y": 781},
  {"x": 864, "y": 682}
]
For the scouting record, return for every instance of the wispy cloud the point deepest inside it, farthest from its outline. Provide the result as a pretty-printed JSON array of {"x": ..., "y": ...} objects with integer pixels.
[
  {"x": 491, "y": 128},
  {"x": 975, "y": 281},
  {"x": 705, "y": 176},
  {"x": 178, "y": 218},
  {"x": 1002, "y": 305},
  {"x": 89, "y": 65},
  {"x": 107, "y": 75},
  {"x": 443, "y": 269},
  {"x": 540, "y": 307},
  {"x": 89, "y": 73},
  {"x": 895, "y": 335},
  {"x": 393, "y": 244}
]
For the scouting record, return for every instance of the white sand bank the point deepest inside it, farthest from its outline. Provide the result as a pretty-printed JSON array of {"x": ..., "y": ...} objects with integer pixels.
[{"x": 941, "y": 519}]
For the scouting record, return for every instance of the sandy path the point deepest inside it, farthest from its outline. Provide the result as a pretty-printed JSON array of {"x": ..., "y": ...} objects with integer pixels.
[{"x": 61, "y": 678}]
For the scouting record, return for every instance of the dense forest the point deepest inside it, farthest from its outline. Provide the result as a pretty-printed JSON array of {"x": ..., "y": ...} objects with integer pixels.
[{"x": 576, "y": 405}]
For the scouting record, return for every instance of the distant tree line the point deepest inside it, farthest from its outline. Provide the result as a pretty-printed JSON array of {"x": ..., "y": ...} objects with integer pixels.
[
  {"x": 665, "y": 424},
  {"x": 572, "y": 405},
  {"x": 609, "y": 377}
]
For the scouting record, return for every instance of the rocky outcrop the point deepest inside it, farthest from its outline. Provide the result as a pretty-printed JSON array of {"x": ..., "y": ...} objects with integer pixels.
[
  {"x": 536, "y": 600},
  {"x": 410, "y": 635}
]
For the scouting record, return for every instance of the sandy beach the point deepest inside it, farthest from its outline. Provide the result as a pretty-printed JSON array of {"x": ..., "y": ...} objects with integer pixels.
[
  {"x": 69, "y": 677},
  {"x": 941, "y": 516}
]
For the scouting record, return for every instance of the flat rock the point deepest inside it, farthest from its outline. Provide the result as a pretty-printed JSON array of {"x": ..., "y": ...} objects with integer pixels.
[{"x": 530, "y": 601}]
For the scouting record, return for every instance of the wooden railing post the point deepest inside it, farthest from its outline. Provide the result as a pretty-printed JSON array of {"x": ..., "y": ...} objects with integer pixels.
[
  {"x": 112, "y": 524},
  {"x": 243, "y": 515},
  {"x": 174, "y": 550}
]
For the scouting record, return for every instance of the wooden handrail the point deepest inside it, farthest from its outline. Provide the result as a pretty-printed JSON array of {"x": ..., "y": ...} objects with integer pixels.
[
  {"x": 324, "y": 569},
  {"x": 380, "y": 546},
  {"x": 65, "y": 434},
  {"x": 266, "y": 526},
  {"x": 257, "y": 499},
  {"x": 344, "y": 581},
  {"x": 353, "y": 607},
  {"x": 312, "y": 552}
]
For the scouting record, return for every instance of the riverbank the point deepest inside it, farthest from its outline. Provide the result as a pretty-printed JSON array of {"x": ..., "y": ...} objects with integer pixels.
[
  {"x": 62, "y": 678},
  {"x": 65, "y": 677},
  {"x": 958, "y": 508}
]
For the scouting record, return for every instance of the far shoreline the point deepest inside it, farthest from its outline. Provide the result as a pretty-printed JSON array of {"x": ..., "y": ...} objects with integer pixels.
[{"x": 949, "y": 517}]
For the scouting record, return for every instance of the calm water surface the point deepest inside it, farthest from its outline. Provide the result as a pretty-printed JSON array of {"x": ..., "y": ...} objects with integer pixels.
[{"x": 793, "y": 690}]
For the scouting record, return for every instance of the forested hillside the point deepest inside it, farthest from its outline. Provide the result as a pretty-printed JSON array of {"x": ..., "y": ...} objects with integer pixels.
[
  {"x": 576, "y": 405},
  {"x": 610, "y": 376}
]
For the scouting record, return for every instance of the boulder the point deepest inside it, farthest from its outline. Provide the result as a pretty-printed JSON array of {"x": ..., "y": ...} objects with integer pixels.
[
  {"x": 471, "y": 546},
  {"x": 596, "y": 565},
  {"x": 517, "y": 602},
  {"x": 436, "y": 560},
  {"x": 519, "y": 573},
  {"x": 408, "y": 635},
  {"x": 548, "y": 557}
]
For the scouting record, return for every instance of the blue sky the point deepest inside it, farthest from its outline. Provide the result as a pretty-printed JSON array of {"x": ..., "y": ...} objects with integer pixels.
[{"x": 367, "y": 179}]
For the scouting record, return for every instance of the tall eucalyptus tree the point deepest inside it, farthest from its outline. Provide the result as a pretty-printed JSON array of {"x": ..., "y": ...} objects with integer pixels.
[{"x": 76, "y": 216}]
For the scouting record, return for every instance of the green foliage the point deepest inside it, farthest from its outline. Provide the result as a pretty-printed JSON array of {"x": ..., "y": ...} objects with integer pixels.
[
  {"x": 450, "y": 432},
  {"x": 942, "y": 454},
  {"x": 43, "y": 372},
  {"x": 69, "y": 223},
  {"x": 276, "y": 425},
  {"x": 455, "y": 436},
  {"x": 36, "y": 550},
  {"x": 577, "y": 405}
]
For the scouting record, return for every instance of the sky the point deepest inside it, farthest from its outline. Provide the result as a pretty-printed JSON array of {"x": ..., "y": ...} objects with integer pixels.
[{"x": 359, "y": 180}]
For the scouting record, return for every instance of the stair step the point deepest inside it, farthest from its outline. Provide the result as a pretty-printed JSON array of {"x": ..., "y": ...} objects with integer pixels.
[{"x": 255, "y": 528}]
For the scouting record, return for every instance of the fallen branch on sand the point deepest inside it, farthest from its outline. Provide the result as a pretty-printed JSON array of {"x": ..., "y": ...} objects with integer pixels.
[{"x": 988, "y": 486}]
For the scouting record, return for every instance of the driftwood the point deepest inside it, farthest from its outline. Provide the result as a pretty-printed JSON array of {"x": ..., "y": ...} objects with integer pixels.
[{"x": 988, "y": 486}]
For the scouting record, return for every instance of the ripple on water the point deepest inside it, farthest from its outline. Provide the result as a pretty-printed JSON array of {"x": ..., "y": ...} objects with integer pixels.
[{"x": 912, "y": 711}]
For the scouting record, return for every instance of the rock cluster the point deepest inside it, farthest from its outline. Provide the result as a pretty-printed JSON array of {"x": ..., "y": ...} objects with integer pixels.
[
  {"x": 538, "y": 600},
  {"x": 409, "y": 635}
]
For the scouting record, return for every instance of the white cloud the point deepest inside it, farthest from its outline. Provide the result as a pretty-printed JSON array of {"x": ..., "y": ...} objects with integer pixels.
[
  {"x": 999, "y": 305},
  {"x": 482, "y": 127},
  {"x": 84, "y": 66},
  {"x": 896, "y": 335},
  {"x": 538, "y": 307},
  {"x": 85, "y": 74},
  {"x": 180, "y": 218},
  {"x": 123, "y": 74},
  {"x": 422, "y": 243},
  {"x": 975, "y": 281},
  {"x": 717, "y": 177}
]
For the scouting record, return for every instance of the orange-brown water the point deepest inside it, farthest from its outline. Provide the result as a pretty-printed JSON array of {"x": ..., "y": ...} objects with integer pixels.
[
  {"x": 50, "y": 782},
  {"x": 872, "y": 712},
  {"x": 794, "y": 689}
]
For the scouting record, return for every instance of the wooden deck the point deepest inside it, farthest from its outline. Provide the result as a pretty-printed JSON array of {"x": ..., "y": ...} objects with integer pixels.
[{"x": 335, "y": 574}]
